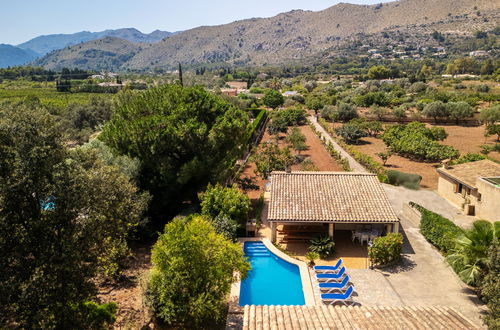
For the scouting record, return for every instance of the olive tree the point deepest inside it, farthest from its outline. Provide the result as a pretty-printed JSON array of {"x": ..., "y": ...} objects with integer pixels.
[{"x": 459, "y": 110}]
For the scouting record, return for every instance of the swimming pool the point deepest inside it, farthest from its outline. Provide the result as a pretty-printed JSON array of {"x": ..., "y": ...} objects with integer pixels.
[{"x": 272, "y": 280}]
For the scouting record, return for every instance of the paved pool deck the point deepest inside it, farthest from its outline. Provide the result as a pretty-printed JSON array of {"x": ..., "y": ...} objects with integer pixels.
[{"x": 422, "y": 278}]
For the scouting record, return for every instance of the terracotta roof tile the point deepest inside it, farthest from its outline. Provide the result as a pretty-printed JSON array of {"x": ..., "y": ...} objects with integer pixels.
[
  {"x": 328, "y": 197},
  {"x": 364, "y": 317},
  {"x": 469, "y": 172}
]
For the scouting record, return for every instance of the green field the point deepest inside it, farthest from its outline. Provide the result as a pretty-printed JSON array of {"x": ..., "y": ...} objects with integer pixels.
[{"x": 46, "y": 91}]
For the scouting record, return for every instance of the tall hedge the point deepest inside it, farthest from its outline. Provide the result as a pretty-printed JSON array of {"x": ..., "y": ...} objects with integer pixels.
[{"x": 438, "y": 230}]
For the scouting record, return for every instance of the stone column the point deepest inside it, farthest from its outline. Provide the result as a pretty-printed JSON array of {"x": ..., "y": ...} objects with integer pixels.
[
  {"x": 395, "y": 227},
  {"x": 331, "y": 228},
  {"x": 273, "y": 232}
]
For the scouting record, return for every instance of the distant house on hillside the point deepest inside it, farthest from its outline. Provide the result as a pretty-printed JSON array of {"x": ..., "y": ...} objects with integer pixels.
[
  {"x": 237, "y": 84},
  {"x": 290, "y": 93},
  {"x": 229, "y": 91},
  {"x": 479, "y": 53},
  {"x": 474, "y": 187},
  {"x": 262, "y": 76},
  {"x": 110, "y": 84}
]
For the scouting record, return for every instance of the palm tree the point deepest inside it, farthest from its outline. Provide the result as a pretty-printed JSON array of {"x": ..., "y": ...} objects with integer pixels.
[{"x": 470, "y": 256}]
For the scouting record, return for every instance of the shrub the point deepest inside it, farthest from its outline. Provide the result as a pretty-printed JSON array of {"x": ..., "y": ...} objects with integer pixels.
[
  {"x": 291, "y": 116},
  {"x": 459, "y": 110},
  {"x": 399, "y": 113},
  {"x": 272, "y": 158},
  {"x": 418, "y": 87},
  {"x": 343, "y": 162},
  {"x": 372, "y": 98},
  {"x": 436, "y": 110},
  {"x": 378, "y": 112},
  {"x": 367, "y": 161},
  {"x": 277, "y": 125},
  {"x": 378, "y": 72},
  {"x": 98, "y": 316},
  {"x": 384, "y": 156},
  {"x": 469, "y": 257},
  {"x": 386, "y": 249},
  {"x": 323, "y": 245},
  {"x": 297, "y": 140},
  {"x": 187, "y": 294},
  {"x": 487, "y": 148},
  {"x": 224, "y": 201},
  {"x": 467, "y": 158},
  {"x": 407, "y": 180},
  {"x": 417, "y": 141},
  {"x": 483, "y": 88},
  {"x": 438, "y": 230},
  {"x": 312, "y": 256},
  {"x": 346, "y": 112},
  {"x": 308, "y": 165},
  {"x": 491, "y": 115},
  {"x": 490, "y": 287},
  {"x": 273, "y": 99},
  {"x": 329, "y": 112},
  {"x": 351, "y": 133}
]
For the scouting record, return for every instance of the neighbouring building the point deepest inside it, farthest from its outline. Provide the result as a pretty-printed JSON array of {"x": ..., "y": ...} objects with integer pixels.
[
  {"x": 229, "y": 91},
  {"x": 237, "y": 84},
  {"x": 290, "y": 93},
  {"x": 331, "y": 201},
  {"x": 473, "y": 187},
  {"x": 479, "y": 53}
]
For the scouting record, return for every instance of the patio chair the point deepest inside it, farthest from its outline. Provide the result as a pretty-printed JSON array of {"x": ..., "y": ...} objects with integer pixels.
[
  {"x": 331, "y": 277},
  {"x": 364, "y": 238},
  {"x": 328, "y": 269},
  {"x": 335, "y": 286},
  {"x": 333, "y": 298}
]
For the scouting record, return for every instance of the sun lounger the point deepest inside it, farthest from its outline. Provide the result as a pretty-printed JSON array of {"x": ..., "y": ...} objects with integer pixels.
[
  {"x": 331, "y": 277},
  {"x": 327, "y": 269},
  {"x": 343, "y": 298},
  {"x": 335, "y": 286}
]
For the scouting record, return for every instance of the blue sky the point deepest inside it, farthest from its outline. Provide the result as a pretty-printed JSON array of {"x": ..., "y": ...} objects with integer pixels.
[{"x": 26, "y": 19}]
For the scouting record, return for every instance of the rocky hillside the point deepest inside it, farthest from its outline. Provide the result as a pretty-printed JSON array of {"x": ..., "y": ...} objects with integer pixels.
[
  {"x": 45, "y": 44},
  {"x": 300, "y": 34},
  {"x": 108, "y": 53}
]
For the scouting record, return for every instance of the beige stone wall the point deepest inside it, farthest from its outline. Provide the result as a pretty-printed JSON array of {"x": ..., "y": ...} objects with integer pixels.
[
  {"x": 412, "y": 214},
  {"x": 488, "y": 207},
  {"x": 447, "y": 188}
]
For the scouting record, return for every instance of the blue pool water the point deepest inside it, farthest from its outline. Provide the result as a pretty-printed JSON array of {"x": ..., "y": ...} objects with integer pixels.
[{"x": 272, "y": 280}]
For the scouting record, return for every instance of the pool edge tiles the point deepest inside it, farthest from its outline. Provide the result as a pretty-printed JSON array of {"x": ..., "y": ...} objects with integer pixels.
[{"x": 307, "y": 288}]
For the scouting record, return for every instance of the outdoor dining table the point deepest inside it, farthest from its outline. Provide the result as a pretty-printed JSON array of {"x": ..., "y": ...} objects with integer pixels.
[{"x": 369, "y": 234}]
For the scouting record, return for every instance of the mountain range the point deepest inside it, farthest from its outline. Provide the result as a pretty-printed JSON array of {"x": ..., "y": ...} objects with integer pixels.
[
  {"x": 293, "y": 36},
  {"x": 41, "y": 45},
  {"x": 12, "y": 56}
]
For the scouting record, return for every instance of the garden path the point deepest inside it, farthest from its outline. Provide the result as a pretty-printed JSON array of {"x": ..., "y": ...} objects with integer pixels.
[{"x": 355, "y": 166}]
